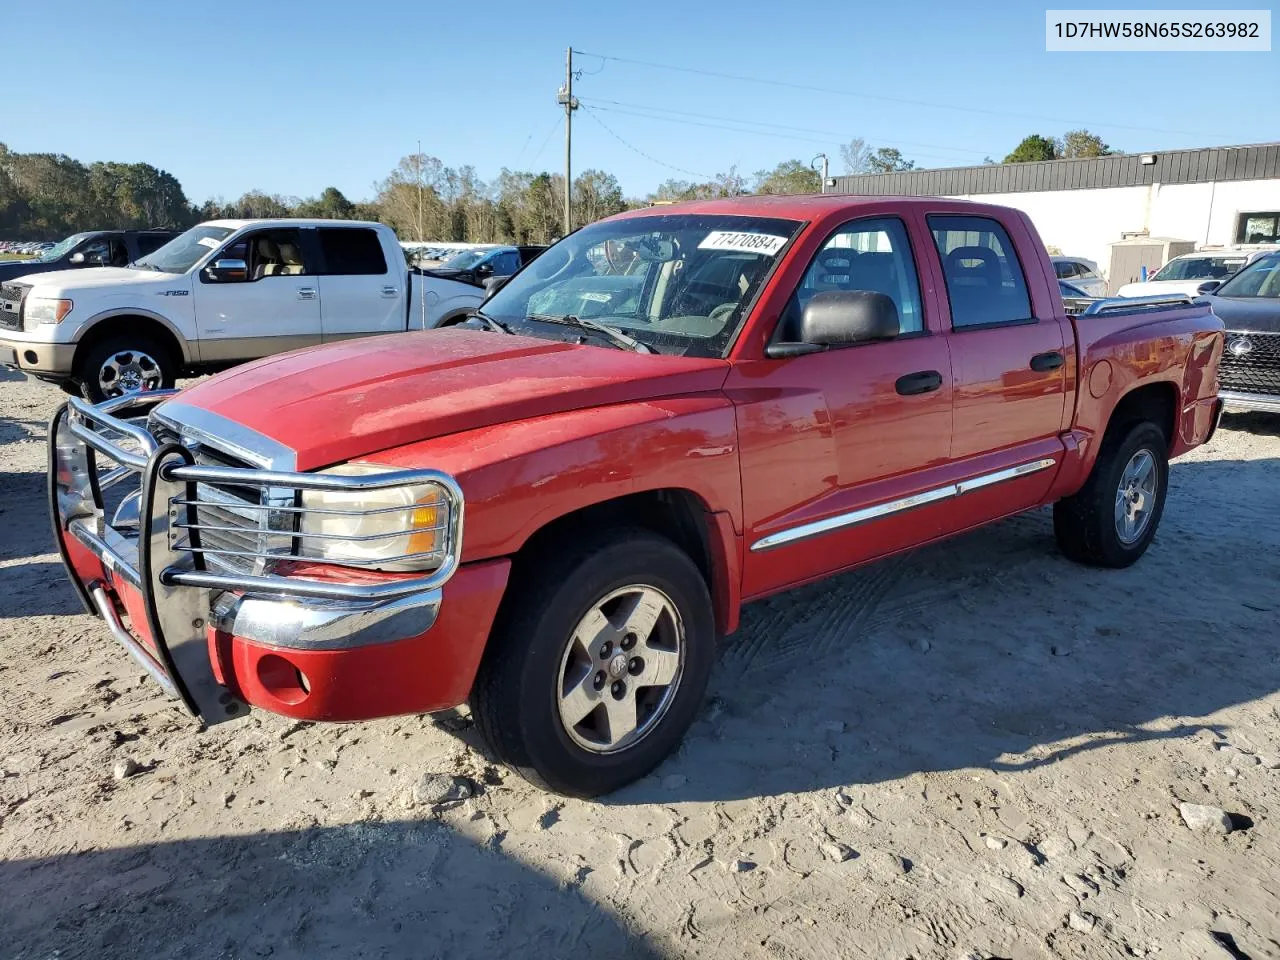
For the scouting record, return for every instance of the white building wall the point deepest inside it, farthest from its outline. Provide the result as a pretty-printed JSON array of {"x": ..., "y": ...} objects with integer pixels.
[{"x": 1084, "y": 223}]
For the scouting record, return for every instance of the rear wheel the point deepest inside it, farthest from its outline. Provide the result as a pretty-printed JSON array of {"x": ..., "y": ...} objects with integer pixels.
[
  {"x": 1111, "y": 521},
  {"x": 124, "y": 364},
  {"x": 598, "y": 665}
]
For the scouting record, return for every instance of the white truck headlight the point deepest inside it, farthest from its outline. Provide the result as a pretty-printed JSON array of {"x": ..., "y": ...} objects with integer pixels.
[
  {"x": 391, "y": 528},
  {"x": 45, "y": 309}
]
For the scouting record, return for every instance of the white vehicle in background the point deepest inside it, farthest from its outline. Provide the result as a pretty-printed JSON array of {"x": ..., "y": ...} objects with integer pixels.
[
  {"x": 224, "y": 292},
  {"x": 1188, "y": 273},
  {"x": 457, "y": 286},
  {"x": 1080, "y": 273}
]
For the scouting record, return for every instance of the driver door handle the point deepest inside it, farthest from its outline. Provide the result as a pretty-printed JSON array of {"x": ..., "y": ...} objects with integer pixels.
[
  {"x": 306, "y": 293},
  {"x": 925, "y": 381}
]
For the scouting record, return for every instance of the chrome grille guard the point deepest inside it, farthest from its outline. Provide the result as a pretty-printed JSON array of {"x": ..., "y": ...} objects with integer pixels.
[{"x": 147, "y": 543}]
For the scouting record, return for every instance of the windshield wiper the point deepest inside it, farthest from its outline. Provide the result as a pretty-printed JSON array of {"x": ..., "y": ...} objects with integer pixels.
[
  {"x": 491, "y": 323},
  {"x": 583, "y": 323}
]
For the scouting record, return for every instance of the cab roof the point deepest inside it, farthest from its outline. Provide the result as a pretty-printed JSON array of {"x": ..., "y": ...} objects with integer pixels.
[{"x": 813, "y": 206}]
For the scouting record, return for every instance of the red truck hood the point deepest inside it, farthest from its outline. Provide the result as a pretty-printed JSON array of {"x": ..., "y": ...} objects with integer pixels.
[{"x": 352, "y": 399}]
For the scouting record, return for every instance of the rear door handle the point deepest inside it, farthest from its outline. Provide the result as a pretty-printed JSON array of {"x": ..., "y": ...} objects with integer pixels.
[
  {"x": 926, "y": 381},
  {"x": 1044, "y": 362},
  {"x": 389, "y": 291},
  {"x": 306, "y": 293}
]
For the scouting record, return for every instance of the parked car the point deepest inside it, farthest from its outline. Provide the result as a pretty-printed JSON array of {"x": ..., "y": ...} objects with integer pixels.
[
  {"x": 555, "y": 508},
  {"x": 1249, "y": 305},
  {"x": 97, "y": 248},
  {"x": 1081, "y": 273},
  {"x": 221, "y": 293},
  {"x": 456, "y": 287},
  {"x": 1074, "y": 299},
  {"x": 1186, "y": 273}
]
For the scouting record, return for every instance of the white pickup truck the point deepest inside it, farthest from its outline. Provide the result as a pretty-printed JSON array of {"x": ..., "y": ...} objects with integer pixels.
[{"x": 221, "y": 293}]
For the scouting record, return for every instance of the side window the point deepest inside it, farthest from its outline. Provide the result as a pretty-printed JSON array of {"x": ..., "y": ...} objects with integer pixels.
[
  {"x": 148, "y": 242},
  {"x": 985, "y": 283},
  {"x": 506, "y": 263},
  {"x": 119, "y": 252},
  {"x": 1065, "y": 269},
  {"x": 351, "y": 251},
  {"x": 864, "y": 255},
  {"x": 97, "y": 252},
  {"x": 269, "y": 253}
]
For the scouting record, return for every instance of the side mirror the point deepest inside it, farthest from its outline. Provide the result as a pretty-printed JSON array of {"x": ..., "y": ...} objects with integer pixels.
[
  {"x": 1208, "y": 286},
  {"x": 77, "y": 259},
  {"x": 483, "y": 270},
  {"x": 227, "y": 271},
  {"x": 493, "y": 284},
  {"x": 840, "y": 317}
]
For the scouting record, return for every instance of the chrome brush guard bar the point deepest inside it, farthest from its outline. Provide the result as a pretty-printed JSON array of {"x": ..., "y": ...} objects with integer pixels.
[{"x": 179, "y": 593}]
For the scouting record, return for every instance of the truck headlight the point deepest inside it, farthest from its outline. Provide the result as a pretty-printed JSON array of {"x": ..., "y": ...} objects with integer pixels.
[
  {"x": 391, "y": 528},
  {"x": 45, "y": 309}
]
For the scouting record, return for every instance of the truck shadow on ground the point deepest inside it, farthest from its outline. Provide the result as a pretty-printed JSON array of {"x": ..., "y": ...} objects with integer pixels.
[
  {"x": 1262, "y": 424},
  {"x": 993, "y": 651},
  {"x": 384, "y": 889}
]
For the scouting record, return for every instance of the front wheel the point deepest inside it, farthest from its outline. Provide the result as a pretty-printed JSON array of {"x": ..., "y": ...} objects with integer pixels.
[
  {"x": 124, "y": 364},
  {"x": 598, "y": 665},
  {"x": 1111, "y": 521}
]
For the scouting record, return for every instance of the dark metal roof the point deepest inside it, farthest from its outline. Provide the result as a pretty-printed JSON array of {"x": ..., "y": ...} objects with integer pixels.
[{"x": 1257, "y": 162}]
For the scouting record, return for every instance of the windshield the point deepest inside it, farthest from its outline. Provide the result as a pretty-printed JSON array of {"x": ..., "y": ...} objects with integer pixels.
[
  {"x": 1199, "y": 268},
  {"x": 679, "y": 283},
  {"x": 465, "y": 260},
  {"x": 1260, "y": 279},
  {"x": 59, "y": 250},
  {"x": 185, "y": 250}
]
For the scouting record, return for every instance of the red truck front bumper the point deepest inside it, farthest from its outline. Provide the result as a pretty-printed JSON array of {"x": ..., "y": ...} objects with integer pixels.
[{"x": 312, "y": 641}]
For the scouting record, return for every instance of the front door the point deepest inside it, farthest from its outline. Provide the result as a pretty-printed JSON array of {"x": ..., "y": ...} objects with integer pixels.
[
  {"x": 275, "y": 307},
  {"x": 1010, "y": 355},
  {"x": 841, "y": 450}
]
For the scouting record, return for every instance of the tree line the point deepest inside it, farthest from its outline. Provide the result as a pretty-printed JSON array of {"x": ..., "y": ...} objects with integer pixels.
[{"x": 45, "y": 196}]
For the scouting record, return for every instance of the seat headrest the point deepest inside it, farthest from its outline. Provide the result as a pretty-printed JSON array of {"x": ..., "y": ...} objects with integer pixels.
[{"x": 267, "y": 249}]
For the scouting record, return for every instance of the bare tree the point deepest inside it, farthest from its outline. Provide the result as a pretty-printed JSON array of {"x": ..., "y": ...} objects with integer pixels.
[{"x": 856, "y": 156}]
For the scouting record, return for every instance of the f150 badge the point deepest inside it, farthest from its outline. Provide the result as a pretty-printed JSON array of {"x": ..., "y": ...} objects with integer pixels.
[{"x": 174, "y": 293}]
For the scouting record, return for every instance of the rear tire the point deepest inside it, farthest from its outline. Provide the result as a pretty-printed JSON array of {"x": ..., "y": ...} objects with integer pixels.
[
  {"x": 1111, "y": 521},
  {"x": 124, "y": 363},
  {"x": 624, "y": 618}
]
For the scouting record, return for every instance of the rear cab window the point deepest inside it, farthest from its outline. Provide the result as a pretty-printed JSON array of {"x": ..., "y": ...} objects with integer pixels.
[
  {"x": 351, "y": 251},
  {"x": 985, "y": 282}
]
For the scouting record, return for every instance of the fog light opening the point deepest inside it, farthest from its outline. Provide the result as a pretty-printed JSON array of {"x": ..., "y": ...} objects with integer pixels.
[
  {"x": 282, "y": 680},
  {"x": 30, "y": 357}
]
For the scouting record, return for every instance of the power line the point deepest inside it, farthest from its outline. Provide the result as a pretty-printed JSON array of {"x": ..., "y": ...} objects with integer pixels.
[
  {"x": 591, "y": 112},
  {"x": 873, "y": 96},
  {"x": 783, "y": 126},
  {"x": 547, "y": 139},
  {"x": 757, "y": 133}
]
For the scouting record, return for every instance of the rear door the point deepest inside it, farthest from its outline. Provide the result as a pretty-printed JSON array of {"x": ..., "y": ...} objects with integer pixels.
[
  {"x": 1011, "y": 352},
  {"x": 360, "y": 293}
]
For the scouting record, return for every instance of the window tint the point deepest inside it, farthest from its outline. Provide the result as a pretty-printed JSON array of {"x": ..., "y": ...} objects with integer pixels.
[
  {"x": 985, "y": 284},
  {"x": 352, "y": 251},
  {"x": 864, "y": 255},
  {"x": 119, "y": 252},
  {"x": 506, "y": 263},
  {"x": 1065, "y": 269},
  {"x": 148, "y": 242}
]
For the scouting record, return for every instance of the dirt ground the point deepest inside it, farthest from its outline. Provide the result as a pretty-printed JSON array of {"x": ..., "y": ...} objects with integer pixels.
[{"x": 977, "y": 750}]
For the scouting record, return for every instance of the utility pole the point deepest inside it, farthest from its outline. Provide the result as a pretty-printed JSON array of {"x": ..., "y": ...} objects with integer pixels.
[
  {"x": 823, "y": 158},
  {"x": 566, "y": 97},
  {"x": 418, "y": 158}
]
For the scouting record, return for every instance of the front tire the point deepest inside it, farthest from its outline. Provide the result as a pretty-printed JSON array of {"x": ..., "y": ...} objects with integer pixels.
[
  {"x": 123, "y": 363},
  {"x": 1111, "y": 521},
  {"x": 598, "y": 665}
]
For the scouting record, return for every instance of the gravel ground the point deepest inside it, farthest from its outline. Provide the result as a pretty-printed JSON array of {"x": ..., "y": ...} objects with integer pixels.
[{"x": 976, "y": 750}]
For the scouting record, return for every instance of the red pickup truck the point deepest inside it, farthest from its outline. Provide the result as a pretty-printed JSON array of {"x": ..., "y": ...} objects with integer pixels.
[{"x": 554, "y": 510}]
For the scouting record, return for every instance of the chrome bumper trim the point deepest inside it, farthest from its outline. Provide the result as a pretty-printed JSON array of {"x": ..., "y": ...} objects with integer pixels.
[
  {"x": 1268, "y": 402},
  {"x": 840, "y": 521},
  {"x": 325, "y": 624},
  {"x": 125, "y": 639}
]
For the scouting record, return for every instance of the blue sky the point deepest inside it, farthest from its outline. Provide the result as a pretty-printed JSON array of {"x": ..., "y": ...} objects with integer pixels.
[{"x": 290, "y": 97}]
